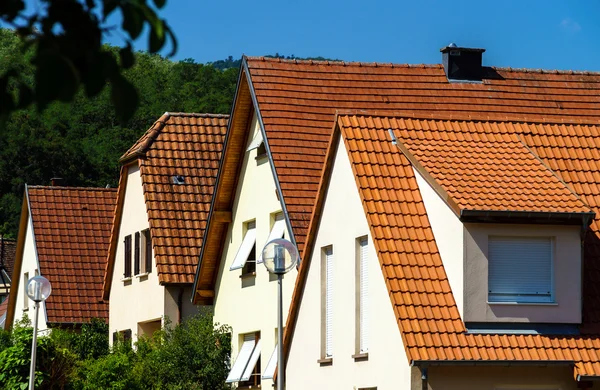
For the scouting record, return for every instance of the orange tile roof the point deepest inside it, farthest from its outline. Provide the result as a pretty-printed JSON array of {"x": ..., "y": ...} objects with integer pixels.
[
  {"x": 183, "y": 144},
  {"x": 428, "y": 318},
  {"x": 72, "y": 230},
  {"x": 298, "y": 100},
  {"x": 484, "y": 166}
]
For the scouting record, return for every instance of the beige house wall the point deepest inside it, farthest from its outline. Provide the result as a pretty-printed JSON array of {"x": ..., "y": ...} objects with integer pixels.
[
  {"x": 566, "y": 269},
  {"x": 250, "y": 304},
  {"x": 24, "y": 305},
  {"x": 449, "y": 238},
  {"x": 138, "y": 299},
  {"x": 551, "y": 377},
  {"x": 343, "y": 221}
]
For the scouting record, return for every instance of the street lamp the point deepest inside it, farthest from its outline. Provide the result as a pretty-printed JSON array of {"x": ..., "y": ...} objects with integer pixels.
[
  {"x": 280, "y": 256},
  {"x": 38, "y": 290}
]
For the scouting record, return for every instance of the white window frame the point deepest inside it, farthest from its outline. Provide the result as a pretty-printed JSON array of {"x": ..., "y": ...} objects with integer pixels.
[
  {"x": 327, "y": 263},
  {"x": 246, "y": 246},
  {"x": 363, "y": 294},
  {"x": 500, "y": 297},
  {"x": 277, "y": 231}
]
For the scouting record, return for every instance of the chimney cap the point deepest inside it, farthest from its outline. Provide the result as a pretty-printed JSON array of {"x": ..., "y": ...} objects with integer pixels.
[{"x": 453, "y": 46}]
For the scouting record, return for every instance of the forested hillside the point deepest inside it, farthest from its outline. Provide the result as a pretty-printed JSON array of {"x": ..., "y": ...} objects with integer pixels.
[{"x": 82, "y": 142}]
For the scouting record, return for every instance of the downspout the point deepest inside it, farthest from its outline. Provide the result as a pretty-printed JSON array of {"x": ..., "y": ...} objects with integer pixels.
[
  {"x": 179, "y": 305},
  {"x": 585, "y": 222},
  {"x": 424, "y": 385}
]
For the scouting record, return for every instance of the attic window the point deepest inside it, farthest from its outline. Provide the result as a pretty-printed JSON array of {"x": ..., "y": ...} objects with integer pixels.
[
  {"x": 258, "y": 143},
  {"x": 520, "y": 269},
  {"x": 247, "y": 251},
  {"x": 178, "y": 179}
]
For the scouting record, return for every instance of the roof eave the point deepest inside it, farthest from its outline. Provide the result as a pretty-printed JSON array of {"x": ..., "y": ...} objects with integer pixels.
[
  {"x": 210, "y": 218},
  {"x": 527, "y": 217},
  {"x": 433, "y": 362}
]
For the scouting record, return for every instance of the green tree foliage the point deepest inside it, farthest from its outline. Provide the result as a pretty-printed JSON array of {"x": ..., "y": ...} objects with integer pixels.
[
  {"x": 191, "y": 355},
  {"x": 64, "y": 41},
  {"x": 82, "y": 141}
]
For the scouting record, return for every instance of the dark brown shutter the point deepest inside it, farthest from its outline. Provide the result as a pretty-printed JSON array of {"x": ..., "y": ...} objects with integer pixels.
[
  {"x": 136, "y": 254},
  {"x": 127, "y": 259},
  {"x": 115, "y": 337},
  {"x": 148, "y": 258}
]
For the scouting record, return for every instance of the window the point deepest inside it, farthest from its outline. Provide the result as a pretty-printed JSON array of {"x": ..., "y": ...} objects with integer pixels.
[
  {"x": 362, "y": 296},
  {"x": 246, "y": 369},
  {"x": 277, "y": 231},
  {"x": 123, "y": 336},
  {"x": 136, "y": 254},
  {"x": 326, "y": 302},
  {"x": 520, "y": 269},
  {"x": 127, "y": 257},
  {"x": 146, "y": 251},
  {"x": 25, "y": 297},
  {"x": 258, "y": 144},
  {"x": 247, "y": 249}
]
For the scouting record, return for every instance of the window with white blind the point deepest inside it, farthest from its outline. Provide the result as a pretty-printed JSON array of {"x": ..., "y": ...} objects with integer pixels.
[
  {"x": 244, "y": 368},
  {"x": 327, "y": 302},
  {"x": 363, "y": 295},
  {"x": 277, "y": 231},
  {"x": 246, "y": 248},
  {"x": 520, "y": 269}
]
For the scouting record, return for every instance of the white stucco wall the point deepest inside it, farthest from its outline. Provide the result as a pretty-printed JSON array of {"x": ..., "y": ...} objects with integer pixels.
[
  {"x": 23, "y": 304},
  {"x": 387, "y": 367},
  {"x": 449, "y": 237},
  {"x": 138, "y": 299},
  {"x": 253, "y": 307}
]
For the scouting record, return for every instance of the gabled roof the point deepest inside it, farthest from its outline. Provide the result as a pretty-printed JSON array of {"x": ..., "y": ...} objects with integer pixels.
[
  {"x": 71, "y": 229},
  {"x": 420, "y": 294},
  {"x": 10, "y": 251},
  {"x": 178, "y": 144},
  {"x": 297, "y": 101}
]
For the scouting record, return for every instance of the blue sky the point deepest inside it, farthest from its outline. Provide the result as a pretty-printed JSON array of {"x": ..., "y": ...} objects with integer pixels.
[{"x": 550, "y": 34}]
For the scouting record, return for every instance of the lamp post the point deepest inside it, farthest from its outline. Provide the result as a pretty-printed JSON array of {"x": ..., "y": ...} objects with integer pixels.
[
  {"x": 280, "y": 256},
  {"x": 38, "y": 290}
]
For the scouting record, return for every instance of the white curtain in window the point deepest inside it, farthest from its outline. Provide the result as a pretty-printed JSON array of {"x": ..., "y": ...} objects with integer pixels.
[
  {"x": 245, "y": 248},
  {"x": 520, "y": 269}
]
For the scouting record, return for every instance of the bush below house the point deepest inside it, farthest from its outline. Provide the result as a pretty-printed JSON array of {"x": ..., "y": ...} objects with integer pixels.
[{"x": 191, "y": 355}]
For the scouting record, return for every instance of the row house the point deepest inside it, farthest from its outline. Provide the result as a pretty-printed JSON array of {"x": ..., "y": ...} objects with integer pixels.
[
  {"x": 165, "y": 191},
  {"x": 63, "y": 235},
  {"x": 445, "y": 215}
]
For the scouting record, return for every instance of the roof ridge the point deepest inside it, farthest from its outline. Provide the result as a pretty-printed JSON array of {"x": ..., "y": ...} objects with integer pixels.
[
  {"x": 343, "y": 63},
  {"x": 196, "y": 115},
  {"x": 143, "y": 143},
  {"x": 421, "y": 65},
  {"x": 78, "y": 188},
  {"x": 472, "y": 116},
  {"x": 546, "y": 71}
]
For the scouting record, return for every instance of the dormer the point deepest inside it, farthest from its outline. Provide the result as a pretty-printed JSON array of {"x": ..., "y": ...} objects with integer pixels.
[{"x": 508, "y": 229}]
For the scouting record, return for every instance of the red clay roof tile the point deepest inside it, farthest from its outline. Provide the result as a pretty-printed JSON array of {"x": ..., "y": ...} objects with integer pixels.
[
  {"x": 178, "y": 144},
  {"x": 72, "y": 251}
]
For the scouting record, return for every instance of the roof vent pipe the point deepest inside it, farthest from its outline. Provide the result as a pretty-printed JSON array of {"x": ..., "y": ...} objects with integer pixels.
[
  {"x": 393, "y": 137},
  {"x": 462, "y": 63}
]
